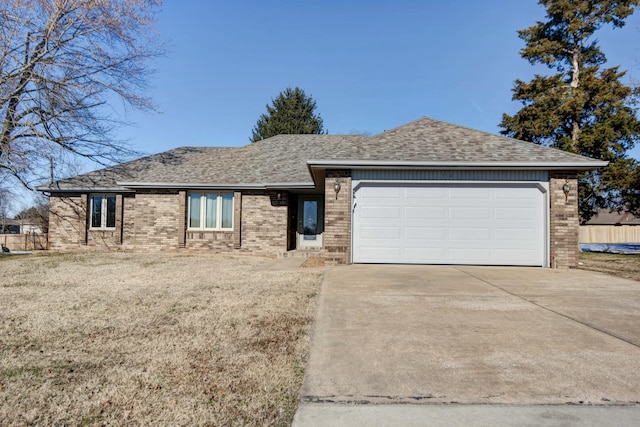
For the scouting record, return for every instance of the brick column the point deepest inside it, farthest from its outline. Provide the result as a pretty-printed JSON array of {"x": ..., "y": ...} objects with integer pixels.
[
  {"x": 564, "y": 220},
  {"x": 337, "y": 217}
]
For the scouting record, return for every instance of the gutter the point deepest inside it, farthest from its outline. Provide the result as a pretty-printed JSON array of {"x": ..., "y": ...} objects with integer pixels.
[
  {"x": 83, "y": 190},
  {"x": 213, "y": 186},
  {"x": 457, "y": 165}
]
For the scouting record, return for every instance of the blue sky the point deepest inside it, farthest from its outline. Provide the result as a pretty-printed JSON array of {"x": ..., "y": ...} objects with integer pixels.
[{"x": 370, "y": 65}]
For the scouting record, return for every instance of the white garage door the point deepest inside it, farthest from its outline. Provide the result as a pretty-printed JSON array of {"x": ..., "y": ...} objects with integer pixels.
[{"x": 449, "y": 224}]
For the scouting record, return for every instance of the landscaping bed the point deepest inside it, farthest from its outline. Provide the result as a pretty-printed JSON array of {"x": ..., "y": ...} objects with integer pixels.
[{"x": 151, "y": 339}]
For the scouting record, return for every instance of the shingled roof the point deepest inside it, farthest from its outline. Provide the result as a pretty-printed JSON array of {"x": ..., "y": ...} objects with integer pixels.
[{"x": 285, "y": 160}]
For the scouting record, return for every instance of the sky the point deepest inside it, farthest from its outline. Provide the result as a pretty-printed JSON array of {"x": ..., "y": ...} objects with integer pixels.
[{"x": 369, "y": 65}]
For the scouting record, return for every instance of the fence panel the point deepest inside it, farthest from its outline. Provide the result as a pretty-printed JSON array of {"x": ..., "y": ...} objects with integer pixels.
[
  {"x": 610, "y": 234},
  {"x": 25, "y": 242}
]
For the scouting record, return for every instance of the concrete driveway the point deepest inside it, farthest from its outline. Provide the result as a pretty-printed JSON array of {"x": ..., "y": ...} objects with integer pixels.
[{"x": 474, "y": 335}]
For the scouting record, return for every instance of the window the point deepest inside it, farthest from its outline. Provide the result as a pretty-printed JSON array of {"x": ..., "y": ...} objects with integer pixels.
[
  {"x": 103, "y": 212},
  {"x": 210, "y": 211}
]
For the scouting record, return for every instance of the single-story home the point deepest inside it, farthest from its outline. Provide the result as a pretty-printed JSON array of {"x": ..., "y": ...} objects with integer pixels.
[{"x": 427, "y": 192}]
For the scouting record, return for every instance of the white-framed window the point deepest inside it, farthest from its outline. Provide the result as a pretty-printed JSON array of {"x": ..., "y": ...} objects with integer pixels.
[
  {"x": 103, "y": 211},
  {"x": 210, "y": 211}
]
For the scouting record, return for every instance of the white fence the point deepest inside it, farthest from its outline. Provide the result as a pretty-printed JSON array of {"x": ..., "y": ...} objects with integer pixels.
[{"x": 610, "y": 234}]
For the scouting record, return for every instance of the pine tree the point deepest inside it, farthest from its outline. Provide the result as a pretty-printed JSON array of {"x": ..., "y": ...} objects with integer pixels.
[
  {"x": 291, "y": 112},
  {"x": 583, "y": 108}
]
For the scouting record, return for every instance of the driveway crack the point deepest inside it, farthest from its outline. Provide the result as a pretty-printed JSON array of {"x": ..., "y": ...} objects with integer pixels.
[{"x": 587, "y": 324}]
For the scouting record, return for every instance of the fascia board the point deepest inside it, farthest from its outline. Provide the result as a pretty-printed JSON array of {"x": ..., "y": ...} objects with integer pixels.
[
  {"x": 173, "y": 185},
  {"x": 83, "y": 190},
  {"x": 369, "y": 164}
]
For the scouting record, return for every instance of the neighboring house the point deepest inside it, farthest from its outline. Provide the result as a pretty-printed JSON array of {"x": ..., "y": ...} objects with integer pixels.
[
  {"x": 611, "y": 227},
  {"x": 427, "y": 192},
  {"x": 20, "y": 226}
]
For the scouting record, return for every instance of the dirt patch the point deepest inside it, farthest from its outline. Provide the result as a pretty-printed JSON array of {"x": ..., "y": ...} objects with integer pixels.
[
  {"x": 627, "y": 266},
  {"x": 315, "y": 261},
  {"x": 159, "y": 339}
]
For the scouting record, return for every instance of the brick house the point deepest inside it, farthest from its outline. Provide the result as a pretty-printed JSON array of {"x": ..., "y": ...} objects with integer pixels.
[{"x": 425, "y": 192}]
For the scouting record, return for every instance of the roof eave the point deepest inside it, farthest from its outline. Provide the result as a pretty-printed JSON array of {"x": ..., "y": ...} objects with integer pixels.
[
  {"x": 47, "y": 189},
  {"x": 384, "y": 164},
  {"x": 217, "y": 186}
]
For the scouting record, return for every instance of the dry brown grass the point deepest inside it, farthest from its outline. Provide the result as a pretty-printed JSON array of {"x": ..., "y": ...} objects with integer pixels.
[
  {"x": 160, "y": 339},
  {"x": 627, "y": 266},
  {"x": 314, "y": 261}
]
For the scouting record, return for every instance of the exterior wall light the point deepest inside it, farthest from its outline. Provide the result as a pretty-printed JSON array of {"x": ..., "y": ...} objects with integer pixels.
[
  {"x": 566, "y": 188},
  {"x": 336, "y": 188}
]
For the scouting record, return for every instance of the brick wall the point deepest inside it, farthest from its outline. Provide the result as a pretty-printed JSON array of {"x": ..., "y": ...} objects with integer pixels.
[
  {"x": 67, "y": 221},
  {"x": 337, "y": 217},
  {"x": 264, "y": 223},
  {"x": 156, "y": 221},
  {"x": 69, "y": 225},
  {"x": 128, "y": 221},
  {"x": 564, "y": 220}
]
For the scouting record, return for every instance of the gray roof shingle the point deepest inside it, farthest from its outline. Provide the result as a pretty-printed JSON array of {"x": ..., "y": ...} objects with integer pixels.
[{"x": 283, "y": 159}]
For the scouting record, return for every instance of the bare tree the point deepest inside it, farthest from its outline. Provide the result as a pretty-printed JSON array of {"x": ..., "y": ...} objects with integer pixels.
[
  {"x": 61, "y": 62},
  {"x": 5, "y": 207}
]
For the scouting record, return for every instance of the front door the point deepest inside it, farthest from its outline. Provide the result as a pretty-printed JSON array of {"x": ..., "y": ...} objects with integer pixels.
[{"x": 310, "y": 221}]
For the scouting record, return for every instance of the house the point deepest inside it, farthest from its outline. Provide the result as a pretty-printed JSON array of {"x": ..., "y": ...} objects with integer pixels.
[
  {"x": 20, "y": 226},
  {"x": 425, "y": 192},
  {"x": 611, "y": 228}
]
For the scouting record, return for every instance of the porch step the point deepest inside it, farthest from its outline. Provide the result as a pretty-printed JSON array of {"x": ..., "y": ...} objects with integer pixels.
[{"x": 296, "y": 253}]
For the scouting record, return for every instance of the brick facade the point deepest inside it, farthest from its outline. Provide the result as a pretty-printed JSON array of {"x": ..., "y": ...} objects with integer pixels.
[
  {"x": 157, "y": 221},
  {"x": 564, "y": 220},
  {"x": 67, "y": 221},
  {"x": 337, "y": 217},
  {"x": 264, "y": 222}
]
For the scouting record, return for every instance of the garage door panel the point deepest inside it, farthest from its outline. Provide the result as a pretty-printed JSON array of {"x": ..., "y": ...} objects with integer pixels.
[
  {"x": 418, "y": 193},
  {"x": 522, "y": 256},
  {"x": 470, "y": 255},
  {"x": 466, "y": 193},
  {"x": 381, "y": 192},
  {"x": 470, "y": 233},
  {"x": 518, "y": 214},
  {"x": 512, "y": 193},
  {"x": 378, "y": 233},
  {"x": 419, "y": 255},
  {"x": 422, "y": 233},
  {"x": 423, "y": 213},
  {"x": 516, "y": 234},
  {"x": 377, "y": 254},
  {"x": 469, "y": 213},
  {"x": 490, "y": 224},
  {"x": 381, "y": 212}
]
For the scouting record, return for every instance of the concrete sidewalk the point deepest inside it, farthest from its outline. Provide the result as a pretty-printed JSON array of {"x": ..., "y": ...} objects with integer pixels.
[
  {"x": 335, "y": 415},
  {"x": 510, "y": 337}
]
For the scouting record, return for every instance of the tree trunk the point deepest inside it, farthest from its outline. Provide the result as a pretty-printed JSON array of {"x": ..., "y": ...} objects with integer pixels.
[{"x": 575, "y": 82}]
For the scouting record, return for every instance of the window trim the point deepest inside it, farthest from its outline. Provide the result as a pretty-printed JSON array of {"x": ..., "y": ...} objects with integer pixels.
[
  {"x": 203, "y": 207},
  {"x": 103, "y": 211}
]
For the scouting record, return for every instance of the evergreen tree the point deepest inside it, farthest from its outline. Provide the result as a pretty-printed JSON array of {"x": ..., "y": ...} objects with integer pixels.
[
  {"x": 583, "y": 108},
  {"x": 292, "y": 112}
]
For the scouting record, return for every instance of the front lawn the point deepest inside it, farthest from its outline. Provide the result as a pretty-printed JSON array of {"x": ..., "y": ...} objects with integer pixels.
[
  {"x": 627, "y": 266},
  {"x": 151, "y": 339}
]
